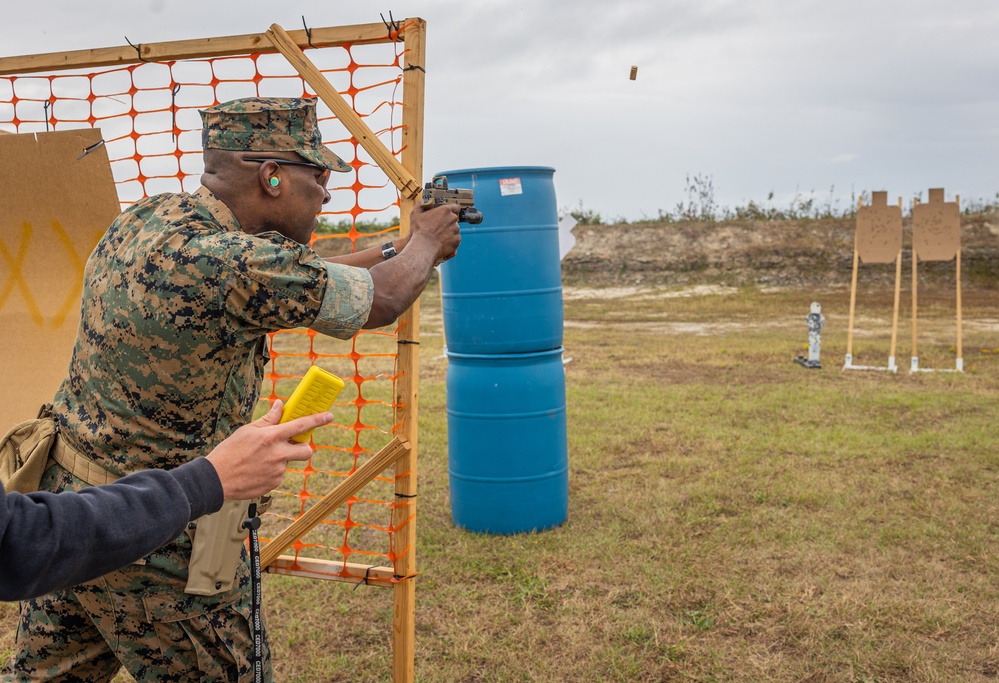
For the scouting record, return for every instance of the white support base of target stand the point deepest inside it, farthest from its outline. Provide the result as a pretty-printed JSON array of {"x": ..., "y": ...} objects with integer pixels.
[
  {"x": 891, "y": 367},
  {"x": 914, "y": 367}
]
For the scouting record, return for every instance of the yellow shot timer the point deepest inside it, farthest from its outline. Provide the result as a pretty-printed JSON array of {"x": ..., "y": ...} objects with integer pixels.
[{"x": 314, "y": 394}]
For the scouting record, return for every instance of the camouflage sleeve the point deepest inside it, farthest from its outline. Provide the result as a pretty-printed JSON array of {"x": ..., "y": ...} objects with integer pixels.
[
  {"x": 346, "y": 302},
  {"x": 276, "y": 284}
]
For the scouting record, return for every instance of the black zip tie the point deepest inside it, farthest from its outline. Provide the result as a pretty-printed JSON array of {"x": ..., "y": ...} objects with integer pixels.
[
  {"x": 308, "y": 32},
  {"x": 88, "y": 150},
  {"x": 391, "y": 25},
  {"x": 413, "y": 67},
  {"x": 173, "y": 111},
  {"x": 45, "y": 109},
  {"x": 405, "y": 495},
  {"x": 365, "y": 581},
  {"x": 138, "y": 49},
  {"x": 407, "y": 341}
]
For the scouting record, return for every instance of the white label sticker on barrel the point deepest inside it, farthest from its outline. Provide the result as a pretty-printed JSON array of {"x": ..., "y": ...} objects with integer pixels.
[{"x": 510, "y": 186}]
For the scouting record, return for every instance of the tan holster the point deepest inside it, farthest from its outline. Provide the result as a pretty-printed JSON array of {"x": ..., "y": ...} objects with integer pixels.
[{"x": 216, "y": 544}]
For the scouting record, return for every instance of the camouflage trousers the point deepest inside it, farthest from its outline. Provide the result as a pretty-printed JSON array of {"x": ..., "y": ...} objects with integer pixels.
[
  {"x": 138, "y": 617},
  {"x": 88, "y": 632}
]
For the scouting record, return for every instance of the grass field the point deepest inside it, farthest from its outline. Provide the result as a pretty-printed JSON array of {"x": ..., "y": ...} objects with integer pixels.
[{"x": 732, "y": 516}]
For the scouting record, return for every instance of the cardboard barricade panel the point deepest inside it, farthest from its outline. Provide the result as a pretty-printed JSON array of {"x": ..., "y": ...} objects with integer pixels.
[{"x": 57, "y": 197}]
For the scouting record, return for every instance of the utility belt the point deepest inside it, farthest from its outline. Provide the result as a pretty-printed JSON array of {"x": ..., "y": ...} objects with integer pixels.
[
  {"x": 79, "y": 465},
  {"x": 217, "y": 539}
]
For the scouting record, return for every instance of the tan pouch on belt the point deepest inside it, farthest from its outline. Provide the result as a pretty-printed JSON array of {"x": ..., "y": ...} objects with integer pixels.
[{"x": 24, "y": 452}]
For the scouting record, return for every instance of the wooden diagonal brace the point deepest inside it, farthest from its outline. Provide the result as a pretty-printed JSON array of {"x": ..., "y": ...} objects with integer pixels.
[
  {"x": 408, "y": 186},
  {"x": 375, "y": 465}
]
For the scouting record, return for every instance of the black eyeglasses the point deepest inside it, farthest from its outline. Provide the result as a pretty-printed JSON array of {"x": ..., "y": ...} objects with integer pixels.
[{"x": 284, "y": 162}]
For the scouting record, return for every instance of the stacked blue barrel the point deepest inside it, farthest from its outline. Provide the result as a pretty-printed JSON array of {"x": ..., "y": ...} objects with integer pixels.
[{"x": 502, "y": 301}]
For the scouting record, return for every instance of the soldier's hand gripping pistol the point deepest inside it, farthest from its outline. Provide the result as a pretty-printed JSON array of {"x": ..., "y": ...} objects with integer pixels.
[{"x": 436, "y": 192}]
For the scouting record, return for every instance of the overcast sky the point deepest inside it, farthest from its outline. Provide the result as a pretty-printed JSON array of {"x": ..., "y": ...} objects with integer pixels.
[{"x": 784, "y": 96}]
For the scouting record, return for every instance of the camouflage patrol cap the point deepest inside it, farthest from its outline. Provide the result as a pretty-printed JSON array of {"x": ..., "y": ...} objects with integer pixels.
[{"x": 269, "y": 124}]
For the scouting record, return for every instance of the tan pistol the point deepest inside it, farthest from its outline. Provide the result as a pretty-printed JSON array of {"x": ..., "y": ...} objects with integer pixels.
[{"x": 436, "y": 192}]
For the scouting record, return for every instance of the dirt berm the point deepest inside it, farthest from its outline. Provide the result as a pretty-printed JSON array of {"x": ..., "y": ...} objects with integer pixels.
[
  {"x": 777, "y": 253},
  {"x": 773, "y": 253}
]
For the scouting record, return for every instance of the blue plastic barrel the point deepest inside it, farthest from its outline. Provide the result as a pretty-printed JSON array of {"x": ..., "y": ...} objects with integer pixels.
[
  {"x": 503, "y": 291},
  {"x": 508, "y": 460}
]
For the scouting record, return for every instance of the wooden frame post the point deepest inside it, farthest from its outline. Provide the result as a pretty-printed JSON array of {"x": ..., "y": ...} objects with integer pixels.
[
  {"x": 914, "y": 362},
  {"x": 892, "y": 367},
  {"x": 407, "y": 394},
  {"x": 960, "y": 352},
  {"x": 853, "y": 294}
]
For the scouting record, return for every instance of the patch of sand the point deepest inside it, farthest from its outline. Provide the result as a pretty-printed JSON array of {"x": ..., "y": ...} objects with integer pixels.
[{"x": 577, "y": 293}]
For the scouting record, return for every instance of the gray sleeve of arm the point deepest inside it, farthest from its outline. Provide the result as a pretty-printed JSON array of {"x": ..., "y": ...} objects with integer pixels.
[{"x": 54, "y": 540}]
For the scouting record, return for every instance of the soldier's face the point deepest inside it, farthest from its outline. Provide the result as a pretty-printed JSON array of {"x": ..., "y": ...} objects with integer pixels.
[{"x": 306, "y": 193}]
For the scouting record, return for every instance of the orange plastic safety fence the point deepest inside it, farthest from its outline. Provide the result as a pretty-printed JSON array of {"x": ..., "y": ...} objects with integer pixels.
[{"x": 148, "y": 115}]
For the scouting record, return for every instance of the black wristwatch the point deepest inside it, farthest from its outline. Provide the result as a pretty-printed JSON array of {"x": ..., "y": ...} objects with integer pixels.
[{"x": 388, "y": 251}]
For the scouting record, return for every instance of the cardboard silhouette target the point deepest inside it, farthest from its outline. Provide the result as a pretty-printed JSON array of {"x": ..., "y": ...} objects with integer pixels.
[
  {"x": 936, "y": 236},
  {"x": 56, "y": 200},
  {"x": 936, "y": 228},
  {"x": 879, "y": 230},
  {"x": 877, "y": 239}
]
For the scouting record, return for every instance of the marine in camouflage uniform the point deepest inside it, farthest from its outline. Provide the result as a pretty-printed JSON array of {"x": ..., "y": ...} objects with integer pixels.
[{"x": 168, "y": 362}]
